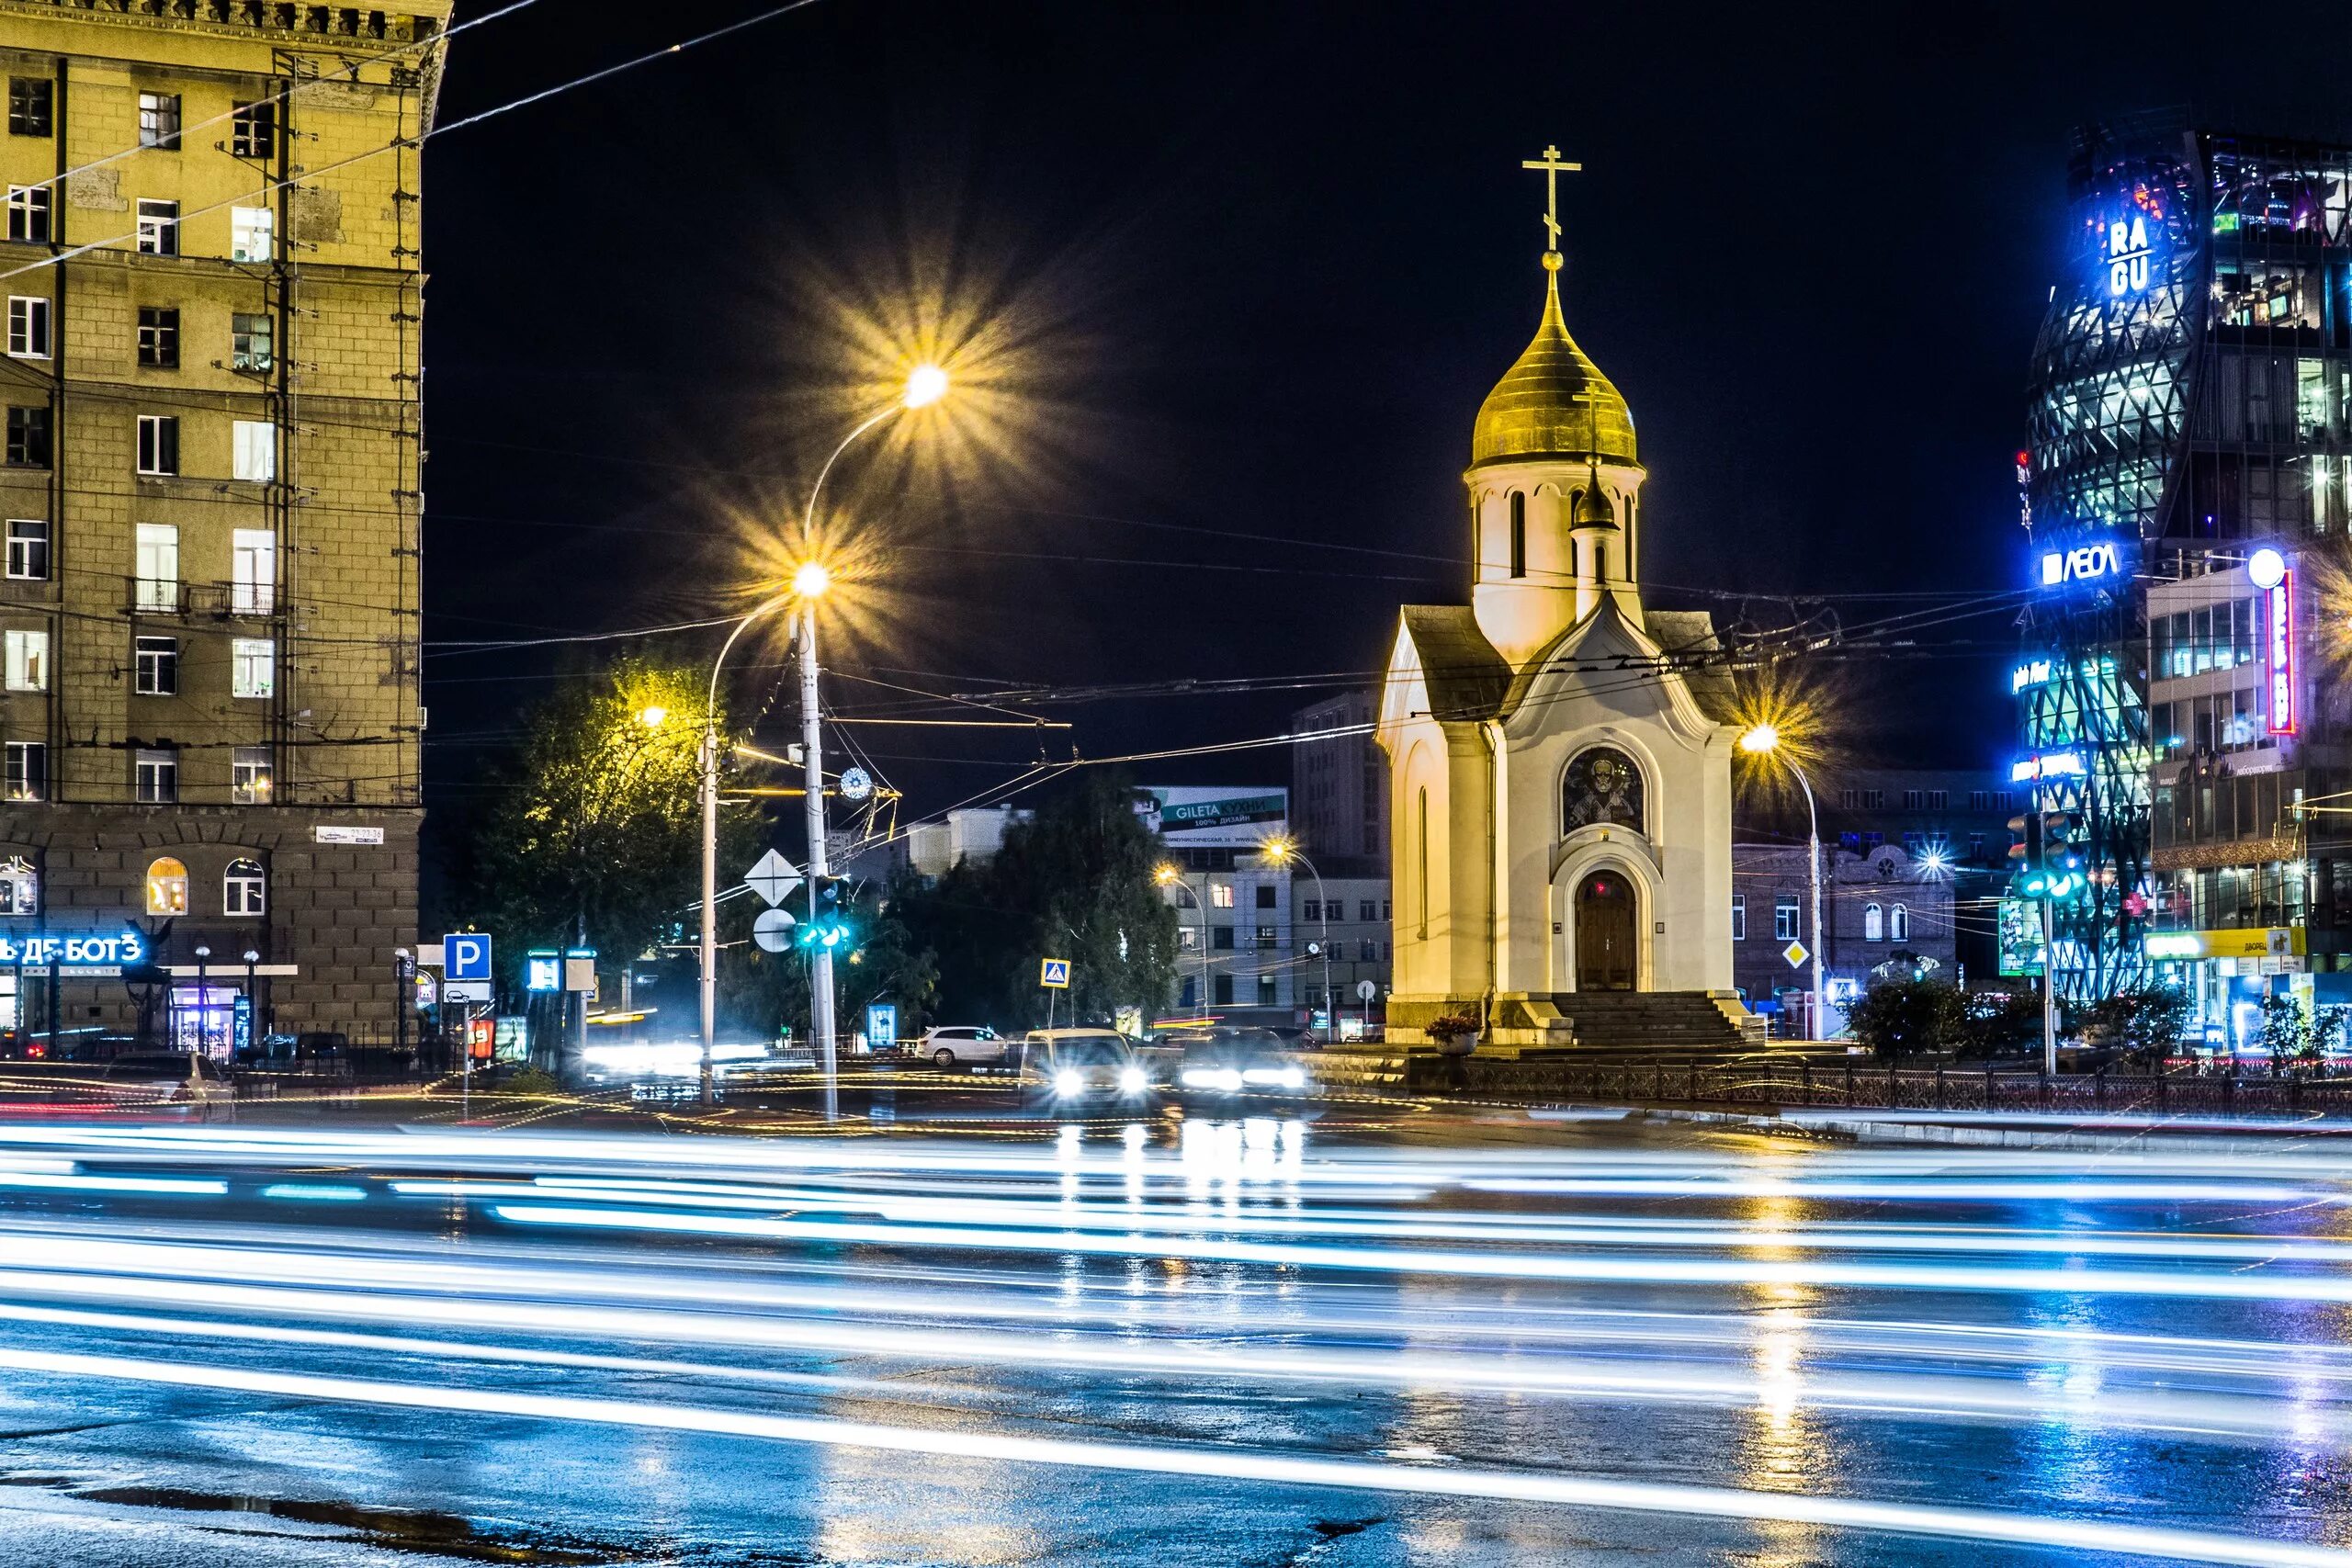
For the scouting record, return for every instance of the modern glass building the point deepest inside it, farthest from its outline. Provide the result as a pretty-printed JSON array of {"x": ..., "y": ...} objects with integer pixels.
[{"x": 2187, "y": 413}]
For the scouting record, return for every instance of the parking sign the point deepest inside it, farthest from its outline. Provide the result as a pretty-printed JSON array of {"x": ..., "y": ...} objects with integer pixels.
[{"x": 465, "y": 956}]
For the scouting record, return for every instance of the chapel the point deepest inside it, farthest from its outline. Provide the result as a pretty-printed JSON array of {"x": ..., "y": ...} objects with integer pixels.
[{"x": 1560, "y": 756}]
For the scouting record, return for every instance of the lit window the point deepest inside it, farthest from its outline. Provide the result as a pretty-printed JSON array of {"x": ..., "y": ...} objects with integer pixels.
[
  {"x": 158, "y": 563},
  {"x": 29, "y": 214},
  {"x": 157, "y": 661},
  {"x": 1221, "y": 894},
  {"x": 159, "y": 120},
  {"x": 1873, "y": 924},
  {"x": 155, "y": 781},
  {"x": 166, "y": 878},
  {"x": 28, "y": 769},
  {"x": 159, "y": 338},
  {"x": 251, "y": 341},
  {"x": 159, "y": 228},
  {"x": 1899, "y": 923},
  {"x": 19, "y": 887},
  {"x": 244, "y": 889},
  {"x": 27, "y": 661},
  {"x": 1739, "y": 917},
  {"x": 28, "y": 549},
  {"x": 253, "y": 562},
  {"x": 159, "y": 444},
  {"x": 28, "y": 436},
  {"x": 255, "y": 451},
  {"x": 249, "y": 775},
  {"x": 253, "y": 667},
  {"x": 253, "y": 129},
  {"x": 251, "y": 230},
  {"x": 28, "y": 326},
  {"x": 31, "y": 100}
]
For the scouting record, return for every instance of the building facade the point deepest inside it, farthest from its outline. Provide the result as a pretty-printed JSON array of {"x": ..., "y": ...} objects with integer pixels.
[
  {"x": 1885, "y": 914},
  {"x": 1560, "y": 754},
  {"x": 1338, "y": 790},
  {"x": 2188, "y": 410},
  {"x": 1234, "y": 938},
  {"x": 1349, "y": 908},
  {"x": 212, "y": 503}
]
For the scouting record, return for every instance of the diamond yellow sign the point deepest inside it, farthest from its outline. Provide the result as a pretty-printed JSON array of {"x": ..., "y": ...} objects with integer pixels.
[{"x": 1796, "y": 954}]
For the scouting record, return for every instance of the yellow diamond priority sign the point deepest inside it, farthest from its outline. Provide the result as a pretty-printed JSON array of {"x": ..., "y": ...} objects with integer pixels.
[{"x": 1796, "y": 954}]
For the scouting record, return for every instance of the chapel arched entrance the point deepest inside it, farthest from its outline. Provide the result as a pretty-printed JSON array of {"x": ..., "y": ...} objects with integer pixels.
[{"x": 1607, "y": 933}]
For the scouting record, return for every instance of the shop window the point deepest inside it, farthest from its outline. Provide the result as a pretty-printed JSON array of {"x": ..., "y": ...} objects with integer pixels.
[
  {"x": 244, "y": 889},
  {"x": 166, "y": 886}
]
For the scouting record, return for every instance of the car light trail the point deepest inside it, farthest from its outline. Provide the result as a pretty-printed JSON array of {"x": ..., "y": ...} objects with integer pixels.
[{"x": 1256, "y": 1467}]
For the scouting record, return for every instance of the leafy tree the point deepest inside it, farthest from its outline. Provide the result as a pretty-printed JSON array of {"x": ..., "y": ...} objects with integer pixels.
[
  {"x": 2147, "y": 1022},
  {"x": 595, "y": 832},
  {"x": 1999, "y": 1023},
  {"x": 2286, "y": 1033},
  {"x": 1901, "y": 1018},
  {"x": 1074, "y": 882}
]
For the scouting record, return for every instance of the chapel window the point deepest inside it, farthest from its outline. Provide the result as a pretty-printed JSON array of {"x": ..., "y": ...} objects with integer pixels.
[
  {"x": 1518, "y": 533},
  {"x": 1602, "y": 785}
]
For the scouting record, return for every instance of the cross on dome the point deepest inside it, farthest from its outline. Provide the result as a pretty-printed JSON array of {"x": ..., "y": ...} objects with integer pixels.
[{"x": 1553, "y": 169}]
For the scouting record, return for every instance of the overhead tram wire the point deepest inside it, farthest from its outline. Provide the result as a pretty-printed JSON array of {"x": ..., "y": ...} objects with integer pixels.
[{"x": 397, "y": 142}]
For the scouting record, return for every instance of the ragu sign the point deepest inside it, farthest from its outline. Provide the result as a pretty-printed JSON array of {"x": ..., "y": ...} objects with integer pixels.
[{"x": 2127, "y": 254}]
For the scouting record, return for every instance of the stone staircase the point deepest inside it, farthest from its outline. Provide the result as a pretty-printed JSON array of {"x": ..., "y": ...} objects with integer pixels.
[{"x": 1653, "y": 1021}]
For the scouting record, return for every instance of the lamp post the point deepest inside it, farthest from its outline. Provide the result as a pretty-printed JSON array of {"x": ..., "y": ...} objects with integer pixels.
[
  {"x": 202, "y": 954},
  {"x": 924, "y": 386},
  {"x": 1168, "y": 876},
  {"x": 1764, "y": 741},
  {"x": 1281, "y": 851}
]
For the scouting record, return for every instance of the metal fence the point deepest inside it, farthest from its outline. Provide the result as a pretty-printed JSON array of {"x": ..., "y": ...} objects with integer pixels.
[{"x": 1865, "y": 1084}]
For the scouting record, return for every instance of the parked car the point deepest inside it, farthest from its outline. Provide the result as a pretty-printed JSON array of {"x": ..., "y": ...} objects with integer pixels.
[
  {"x": 1223, "y": 1063},
  {"x": 170, "y": 1078},
  {"x": 955, "y": 1045},
  {"x": 1068, "y": 1066}
]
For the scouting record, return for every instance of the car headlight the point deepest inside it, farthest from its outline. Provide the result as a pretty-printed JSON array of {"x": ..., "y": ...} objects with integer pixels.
[
  {"x": 1131, "y": 1081},
  {"x": 1068, "y": 1081}
]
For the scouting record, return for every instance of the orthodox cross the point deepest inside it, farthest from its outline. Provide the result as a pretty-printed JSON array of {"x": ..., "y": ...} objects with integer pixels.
[{"x": 1552, "y": 168}]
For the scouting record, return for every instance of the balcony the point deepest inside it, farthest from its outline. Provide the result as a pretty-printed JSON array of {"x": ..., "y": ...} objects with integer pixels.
[{"x": 168, "y": 597}]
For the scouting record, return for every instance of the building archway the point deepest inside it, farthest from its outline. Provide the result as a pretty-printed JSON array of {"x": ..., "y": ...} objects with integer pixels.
[{"x": 1608, "y": 927}]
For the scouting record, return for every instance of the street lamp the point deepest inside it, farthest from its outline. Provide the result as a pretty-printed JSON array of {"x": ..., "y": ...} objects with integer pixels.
[
  {"x": 810, "y": 580},
  {"x": 1282, "y": 850},
  {"x": 1165, "y": 875},
  {"x": 1764, "y": 741}
]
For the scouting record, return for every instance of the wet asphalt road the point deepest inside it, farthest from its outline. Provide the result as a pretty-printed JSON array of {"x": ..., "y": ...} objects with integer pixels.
[{"x": 1337, "y": 1336}]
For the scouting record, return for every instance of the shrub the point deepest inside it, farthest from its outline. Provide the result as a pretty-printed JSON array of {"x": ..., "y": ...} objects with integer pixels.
[{"x": 1901, "y": 1018}]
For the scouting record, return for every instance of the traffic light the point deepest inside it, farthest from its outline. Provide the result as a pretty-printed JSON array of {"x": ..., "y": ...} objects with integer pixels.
[
  {"x": 825, "y": 926},
  {"x": 2027, "y": 876},
  {"x": 2062, "y": 850}
]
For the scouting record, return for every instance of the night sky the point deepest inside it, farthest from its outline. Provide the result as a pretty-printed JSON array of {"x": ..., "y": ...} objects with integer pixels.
[{"x": 1247, "y": 270}]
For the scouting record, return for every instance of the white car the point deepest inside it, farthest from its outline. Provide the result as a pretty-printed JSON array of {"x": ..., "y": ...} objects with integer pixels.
[
  {"x": 177, "y": 1078},
  {"x": 964, "y": 1045}
]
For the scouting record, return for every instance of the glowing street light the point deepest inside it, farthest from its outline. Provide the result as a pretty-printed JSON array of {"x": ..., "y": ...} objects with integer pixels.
[
  {"x": 811, "y": 580},
  {"x": 653, "y": 715},
  {"x": 1764, "y": 741},
  {"x": 1282, "y": 849}
]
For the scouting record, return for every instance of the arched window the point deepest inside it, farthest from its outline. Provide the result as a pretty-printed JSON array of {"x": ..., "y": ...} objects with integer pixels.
[
  {"x": 1873, "y": 924},
  {"x": 1421, "y": 866},
  {"x": 1899, "y": 923},
  {"x": 1518, "y": 533},
  {"x": 166, "y": 886},
  {"x": 244, "y": 889},
  {"x": 1602, "y": 785}
]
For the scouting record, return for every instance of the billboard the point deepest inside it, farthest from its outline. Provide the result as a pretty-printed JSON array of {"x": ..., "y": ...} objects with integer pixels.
[{"x": 1189, "y": 816}]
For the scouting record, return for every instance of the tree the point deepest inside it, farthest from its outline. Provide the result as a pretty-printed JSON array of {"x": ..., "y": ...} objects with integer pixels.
[
  {"x": 1901, "y": 1018},
  {"x": 883, "y": 961},
  {"x": 595, "y": 832},
  {"x": 1999, "y": 1023},
  {"x": 2146, "y": 1022},
  {"x": 1074, "y": 882},
  {"x": 2286, "y": 1033}
]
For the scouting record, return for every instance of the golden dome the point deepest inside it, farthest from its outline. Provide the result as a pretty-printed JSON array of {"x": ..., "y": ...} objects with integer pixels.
[{"x": 1553, "y": 402}]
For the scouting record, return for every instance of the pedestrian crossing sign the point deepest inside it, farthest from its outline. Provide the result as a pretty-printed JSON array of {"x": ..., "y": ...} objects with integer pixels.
[{"x": 1054, "y": 973}]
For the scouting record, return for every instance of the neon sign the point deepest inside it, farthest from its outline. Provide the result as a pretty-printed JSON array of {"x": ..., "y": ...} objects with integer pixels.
[
  {"x": 2034, "y": 672},
  {"x": 2283, "y": 716},
  {"x": 2084, "y": 563},
  {"x": 75, "y": 951},
  {"x": 2050, "y": 764},
  {"x": 2127, "y": 254}
]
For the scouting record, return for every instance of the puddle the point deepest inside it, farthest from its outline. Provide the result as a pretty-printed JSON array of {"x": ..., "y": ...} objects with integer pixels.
[{"x": 394, "y": 1530}]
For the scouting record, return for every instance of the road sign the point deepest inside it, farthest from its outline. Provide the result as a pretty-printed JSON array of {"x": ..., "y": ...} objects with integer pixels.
[
  {"x": 773, "y": 877},
  {"x": 773, "y": 930},
  {"x": 542, "y": 972},
  {"x": 1054, "y": 973},
  {"x": 1366, "y": 990},
  {"x": 465, "y": 957},
  {"x": 1796, "y": 954},
  {"x": 580, "y": 969},
  {"x": 465, "y": 990},
  {"x": 881, "y": 1025},
  {"x": 856, "y": 784}
]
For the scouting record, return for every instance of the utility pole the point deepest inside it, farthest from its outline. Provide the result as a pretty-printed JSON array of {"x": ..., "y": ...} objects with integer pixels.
[
  {"x": 820, "y": 958},
  {"x": 2049, "y": 989}
]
